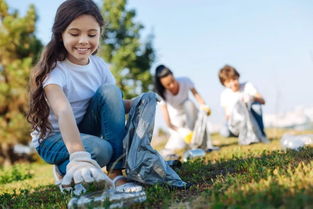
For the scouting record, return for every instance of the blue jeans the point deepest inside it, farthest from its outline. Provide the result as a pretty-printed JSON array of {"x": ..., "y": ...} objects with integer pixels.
[
  {"x": 102, "y": 131},
  {"x": 256, "y": 110}
]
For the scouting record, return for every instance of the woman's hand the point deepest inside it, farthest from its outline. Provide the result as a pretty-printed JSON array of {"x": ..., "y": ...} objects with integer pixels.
[{"x": 206, "y": 109}]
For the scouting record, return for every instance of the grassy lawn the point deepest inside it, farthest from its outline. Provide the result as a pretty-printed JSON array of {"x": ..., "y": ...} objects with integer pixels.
[{"x": 255, "y": 176}]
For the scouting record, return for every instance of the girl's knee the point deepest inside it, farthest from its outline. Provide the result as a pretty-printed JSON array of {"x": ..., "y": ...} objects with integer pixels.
[
  {"x": 100, "y": 149},
  {"x": 109, "y": 91},
  {"x": 103, "y": 154}
]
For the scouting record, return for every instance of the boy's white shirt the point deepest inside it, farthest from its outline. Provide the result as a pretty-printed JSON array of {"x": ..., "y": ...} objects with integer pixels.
[
  {"x": 79, "y": 83},
  {"x": 229, "y": 98}
]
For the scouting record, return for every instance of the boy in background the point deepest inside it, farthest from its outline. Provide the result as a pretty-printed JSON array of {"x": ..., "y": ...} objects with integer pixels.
[{"x": 235, "y": 92}]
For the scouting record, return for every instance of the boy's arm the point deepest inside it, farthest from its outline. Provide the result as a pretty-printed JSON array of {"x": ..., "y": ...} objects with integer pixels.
[
  {"x": 224, "y": 105},
  {"x": 254, "y": 94},
  {"x": 166, "y": 117},
  {"x": 227, "y": 115},
  {"x": 63, "y": 112},
  {"x": 259, "y": 98}
]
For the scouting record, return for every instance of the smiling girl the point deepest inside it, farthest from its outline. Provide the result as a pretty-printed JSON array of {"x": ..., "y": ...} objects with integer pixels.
[{"x": 76, "y": 111}]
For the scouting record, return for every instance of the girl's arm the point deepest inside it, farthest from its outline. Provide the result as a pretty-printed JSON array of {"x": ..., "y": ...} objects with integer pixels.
[
  {"x": 198, "y": 97},
  {"x": 166, "y": 117},
  {"x": 63, "y": 112}
]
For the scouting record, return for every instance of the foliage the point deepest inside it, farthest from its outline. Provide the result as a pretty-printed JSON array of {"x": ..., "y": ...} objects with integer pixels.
[
  {"x": 255, "y": 176},
  {"x": 19, "y": 51},
  {"x": 16, "y": 173},
  {"x": 129, "y": 58}
]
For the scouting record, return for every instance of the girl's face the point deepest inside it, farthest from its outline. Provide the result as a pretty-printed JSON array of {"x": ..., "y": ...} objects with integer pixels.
[
  {"x": 233, "y": 84},
  {"x": 81, "y": 39},
  {"x": 169, "y": 83}
]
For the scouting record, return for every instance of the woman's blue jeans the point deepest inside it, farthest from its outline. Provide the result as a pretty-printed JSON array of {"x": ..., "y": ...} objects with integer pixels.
[{"x": 102, "y": 131}]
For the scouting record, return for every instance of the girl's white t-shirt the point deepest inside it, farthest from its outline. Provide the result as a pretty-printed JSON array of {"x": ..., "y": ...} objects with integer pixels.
[
  {"x": 229, "y": 98},
  {"x": 79, "y": 83},
  {"x": 175, "y": 102}
]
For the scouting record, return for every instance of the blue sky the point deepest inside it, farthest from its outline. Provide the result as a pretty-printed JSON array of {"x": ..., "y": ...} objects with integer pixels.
[{"x": 269, "y": 42}]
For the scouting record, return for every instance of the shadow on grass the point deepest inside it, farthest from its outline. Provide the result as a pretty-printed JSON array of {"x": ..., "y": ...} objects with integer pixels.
[{"x": 228, "y": 144}]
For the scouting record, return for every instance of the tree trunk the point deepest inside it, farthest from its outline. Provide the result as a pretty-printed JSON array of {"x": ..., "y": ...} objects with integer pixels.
[{"x": 7, "y": 153}]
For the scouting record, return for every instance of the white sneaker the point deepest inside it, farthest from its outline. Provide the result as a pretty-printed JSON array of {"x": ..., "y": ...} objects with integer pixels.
[{"x": 127, "y": 187}]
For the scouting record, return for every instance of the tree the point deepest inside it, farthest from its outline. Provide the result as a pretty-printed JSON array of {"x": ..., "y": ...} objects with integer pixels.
[
  {"x": 129, "y": 58},
  {"x": 19, "y": 49}
]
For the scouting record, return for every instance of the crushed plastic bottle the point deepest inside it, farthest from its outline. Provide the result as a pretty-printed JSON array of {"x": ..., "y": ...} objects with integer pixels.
[
  {"x": 192, "y": 154},
  {"x": 296, "y": 142},
  {"x": 106, "y": 199}
]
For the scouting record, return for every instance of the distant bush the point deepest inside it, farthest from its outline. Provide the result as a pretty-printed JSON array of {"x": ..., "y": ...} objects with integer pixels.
[{"x": 16, "y": 173}]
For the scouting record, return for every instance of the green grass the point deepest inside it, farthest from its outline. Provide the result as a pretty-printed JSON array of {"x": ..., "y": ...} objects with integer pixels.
[{"x": 255, "y": 176}]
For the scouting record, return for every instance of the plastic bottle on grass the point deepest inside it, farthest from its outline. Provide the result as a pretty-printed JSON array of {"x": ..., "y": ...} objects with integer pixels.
[
  {"x": 192, "y": 154},
  {"x": 106, "y": 199},
  {"x": 296, "y": 142}
]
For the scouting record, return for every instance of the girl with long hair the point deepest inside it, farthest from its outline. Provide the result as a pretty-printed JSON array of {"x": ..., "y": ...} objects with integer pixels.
[{"x": 76, "y": 111}]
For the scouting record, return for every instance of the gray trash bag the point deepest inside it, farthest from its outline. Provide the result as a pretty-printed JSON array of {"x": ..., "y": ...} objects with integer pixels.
[
  {"x": 243, "y": 124},
  {"x": 142, "y": 162},
  {"x": 201, "y": 136}
]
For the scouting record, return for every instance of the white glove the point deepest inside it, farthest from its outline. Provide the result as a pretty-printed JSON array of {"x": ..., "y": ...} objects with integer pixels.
[
  {"x": 206, "y": 109},
  {"x": 82, "y": 169}
]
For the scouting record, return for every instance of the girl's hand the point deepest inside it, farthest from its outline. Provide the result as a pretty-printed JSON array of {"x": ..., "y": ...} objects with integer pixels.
[{"x": 83, "y": 169}]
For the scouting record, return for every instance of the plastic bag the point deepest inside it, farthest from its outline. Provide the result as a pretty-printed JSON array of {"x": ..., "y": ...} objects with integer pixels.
[
  {"x": 296, "y": 142},
  {"x": 201, "y": 135},
  {"x": 243, "y": 124},
  {"x": 142, "y": 162}
]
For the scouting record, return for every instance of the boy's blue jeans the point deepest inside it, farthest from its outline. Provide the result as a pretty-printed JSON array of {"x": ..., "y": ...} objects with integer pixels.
[
  {"x": 256, "y": 110},
  {"x": 102, "y": 131}
]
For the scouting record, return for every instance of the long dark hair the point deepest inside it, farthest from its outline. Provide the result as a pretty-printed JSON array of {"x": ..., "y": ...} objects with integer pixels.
[
  {"x": 55, "y": 51},
  {"x": 161, "y": 71}
]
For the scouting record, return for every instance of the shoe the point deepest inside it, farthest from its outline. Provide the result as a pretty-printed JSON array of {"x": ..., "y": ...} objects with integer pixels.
[{"x": 127, "y": 187}]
